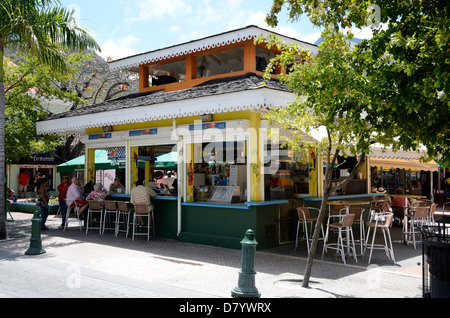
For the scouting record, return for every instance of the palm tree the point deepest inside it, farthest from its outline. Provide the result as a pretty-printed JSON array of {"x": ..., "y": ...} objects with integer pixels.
[{"x": 42, "y": 28}]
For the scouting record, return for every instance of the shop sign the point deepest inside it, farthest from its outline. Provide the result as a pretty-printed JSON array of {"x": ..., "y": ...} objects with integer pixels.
[
  {"x": 143, "y": 132},
  {"x": 100, "y": 136},
  {"x": 220, "y": 125}
]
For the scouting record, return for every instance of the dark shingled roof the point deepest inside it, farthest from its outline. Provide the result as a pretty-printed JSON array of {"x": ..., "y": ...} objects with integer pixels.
[{"x": 220, "y": 86}]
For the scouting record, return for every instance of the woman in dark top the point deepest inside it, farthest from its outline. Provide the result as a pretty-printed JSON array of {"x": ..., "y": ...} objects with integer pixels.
[{"x": 43, "y": 200}]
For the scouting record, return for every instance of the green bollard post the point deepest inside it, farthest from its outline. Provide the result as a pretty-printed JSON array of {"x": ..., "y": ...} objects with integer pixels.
[
  {"x": 35, "y": 241},
  {"x": 246, "y": 284}
]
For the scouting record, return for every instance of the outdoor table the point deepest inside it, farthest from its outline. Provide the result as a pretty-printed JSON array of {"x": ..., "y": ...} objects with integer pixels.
[{"x": 347, "y": 204}]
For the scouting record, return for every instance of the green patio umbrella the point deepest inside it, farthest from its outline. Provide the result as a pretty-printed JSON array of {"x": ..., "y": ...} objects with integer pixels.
[
  {"x": 167, "y": 161},
  {"x": 101, "y": 163}
]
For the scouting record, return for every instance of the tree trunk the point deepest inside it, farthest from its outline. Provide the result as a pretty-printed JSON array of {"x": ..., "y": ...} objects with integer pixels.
[
  {"x": 3, "y": 229},
  {"x": 315, "y": 240},
  {"x": 323, "y": 211}
]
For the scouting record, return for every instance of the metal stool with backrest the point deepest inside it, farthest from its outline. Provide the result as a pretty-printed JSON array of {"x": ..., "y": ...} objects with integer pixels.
[
  {"x": 304, "y": 218},
  {"x": 123, "y": 217},
  {"x": 417, "y": 216},
  {"x": 383, "y": 222},
  {"x": 110, "y": 208},
  {"x": 345, "y": 224},
  {"x": 76, "y": 210},
  {"x": 94, "y": 207},
  {"x": 142, "y": 211},
  {"x": 359, "y": 219},
  {"x": 431, "y": 214}
]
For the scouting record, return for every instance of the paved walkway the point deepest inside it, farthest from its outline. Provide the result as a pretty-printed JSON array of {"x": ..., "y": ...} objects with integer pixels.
[{"x": 82, "y": 265}]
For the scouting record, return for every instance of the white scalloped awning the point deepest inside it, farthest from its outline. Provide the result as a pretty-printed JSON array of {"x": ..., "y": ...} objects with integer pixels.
[
  {"x": 224, "y": 103},
  {"x": 220, "y": 40}
]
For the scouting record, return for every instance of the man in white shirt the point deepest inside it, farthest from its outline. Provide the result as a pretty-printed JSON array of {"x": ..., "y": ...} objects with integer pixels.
[
  {"x": 169, "y": 180},
  {"x": 141, "y": 195},
  {"x": 75, "y": 196}
]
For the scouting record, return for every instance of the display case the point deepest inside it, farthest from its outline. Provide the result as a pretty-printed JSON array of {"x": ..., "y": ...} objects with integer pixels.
[{"x": 219, "y": 194}]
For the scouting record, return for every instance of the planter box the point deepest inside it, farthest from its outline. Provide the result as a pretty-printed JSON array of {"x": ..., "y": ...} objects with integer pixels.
[{"x": 31, "y": 207}]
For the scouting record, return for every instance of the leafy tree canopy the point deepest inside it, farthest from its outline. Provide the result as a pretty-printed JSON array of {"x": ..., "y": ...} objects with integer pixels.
[{"x": 406, "y": 61}]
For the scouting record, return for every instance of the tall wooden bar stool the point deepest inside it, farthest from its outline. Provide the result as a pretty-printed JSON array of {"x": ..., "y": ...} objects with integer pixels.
[
  {"x": 345, "y": 225},
  {"x": 110, "y": 208},
  {"x": 142, "y": 211},
  {"x": 123, "y": 217},
  {"x": 383, "y": 222},
  {"x": 94, "y": 207},
  {"x": 304, "y": 218}
]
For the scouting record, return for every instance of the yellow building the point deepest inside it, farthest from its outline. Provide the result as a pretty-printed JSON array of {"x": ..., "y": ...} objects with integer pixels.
[{"x": 200, "y": 103}]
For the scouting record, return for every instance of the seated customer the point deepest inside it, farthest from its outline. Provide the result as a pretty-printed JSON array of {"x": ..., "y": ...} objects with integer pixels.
[
  {"x": 98, "y": 194},
  {"x": 117, "y": 186},
  {"x": 141, "y": 195},
  {"x": 399, "y": 200},
  {"x": 75, "y": 196}
]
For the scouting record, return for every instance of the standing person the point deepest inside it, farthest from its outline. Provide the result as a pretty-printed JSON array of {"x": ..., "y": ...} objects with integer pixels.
[
  {"x": 24, "y": 179},
  {"x": 75, "y": 196},
  {"x": 37, "y": 176},
  {"x": 141, "y": 195},
  {"x": 62, "y": 192},
  {"x": 169, "y": 181},
  {"x": 43, "y": 200}
]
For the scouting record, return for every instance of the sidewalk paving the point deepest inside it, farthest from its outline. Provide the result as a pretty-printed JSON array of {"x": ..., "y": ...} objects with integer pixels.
[{"x": 80, "y": 265}]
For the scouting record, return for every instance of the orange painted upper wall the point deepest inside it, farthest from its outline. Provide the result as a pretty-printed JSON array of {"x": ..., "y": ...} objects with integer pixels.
[{"x": 224, "y": 61}]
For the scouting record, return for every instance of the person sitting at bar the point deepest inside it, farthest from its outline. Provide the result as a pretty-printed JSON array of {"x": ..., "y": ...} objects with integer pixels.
[
  {"x": 75, "y": 196},
  {"x": 116, "y": 185},
  {"x": 98, "y": 194},
  {"x": 141, "y": 195}
]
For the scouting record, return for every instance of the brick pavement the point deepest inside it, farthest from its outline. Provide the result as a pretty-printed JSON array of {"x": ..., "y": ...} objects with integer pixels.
[{"x": 105, "y": 266}]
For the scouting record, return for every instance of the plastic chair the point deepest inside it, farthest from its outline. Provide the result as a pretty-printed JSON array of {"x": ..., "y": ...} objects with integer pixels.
[
  {"x": 142, "y": 211},
  {"x": 418, "y": 216},
  {"x": 345, "y": 225},
  {"x": 76, "y": 210},
  {"x": 123, "y": 212},
  {"x": 383, "y": 222},
  {"x": 110, "y": 208},
  {"x": 304, "y": 218},
  {"x": 94, "y": 207}
]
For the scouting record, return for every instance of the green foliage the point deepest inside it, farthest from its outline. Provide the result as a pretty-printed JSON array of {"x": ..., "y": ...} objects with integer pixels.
[
  {"x": 28, "y": 86},
  {"x": 331, "y": 92},
  {"x": 406, "y": 64}
]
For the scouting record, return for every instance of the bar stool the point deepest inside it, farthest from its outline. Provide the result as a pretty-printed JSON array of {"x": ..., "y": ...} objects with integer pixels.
[
  {"x": 76, "y": 210},
  {"x": 418, "y": 216},
  {"x": 123, "y": 212},
  {"x": 383, "y": 222},
  {"x": 110, "y": 208},
  {"x": 344, "y": 225},
  {"x": 140, "y": 211},
  {"x": 304, "y": 218},
  {"x": 94, "y": 207},
  {"x": 359, "y": 219}
]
